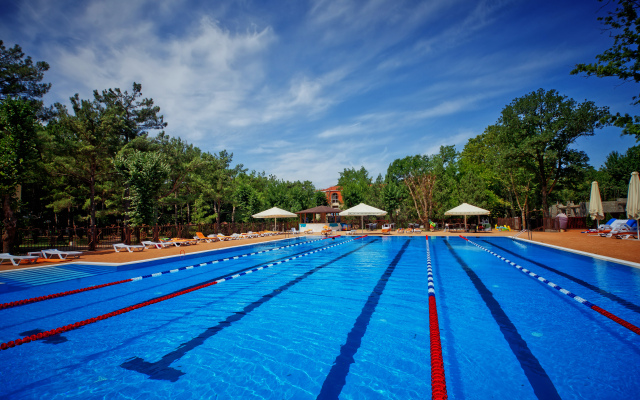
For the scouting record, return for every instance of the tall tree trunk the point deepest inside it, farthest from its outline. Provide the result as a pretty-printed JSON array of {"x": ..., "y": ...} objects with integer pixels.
[
  {"x": 218, "y": 205},
  {"x": 10, "y": 224},
  {"x": 127, "y": 205},
  {"x": 175, "y": 210},
  {"x": 409, "y": 182},
  {"x": 545, "y": 200},
  {"x": 93, "y": 236}
]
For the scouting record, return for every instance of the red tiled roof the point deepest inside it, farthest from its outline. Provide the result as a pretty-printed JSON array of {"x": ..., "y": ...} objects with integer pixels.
[
  {"x": 332, "y": 189},
  {"x": 320, "y": 210}
]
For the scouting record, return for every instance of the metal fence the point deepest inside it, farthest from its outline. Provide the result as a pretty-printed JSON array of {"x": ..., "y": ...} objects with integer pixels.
[{"x": 542, "y": 224}]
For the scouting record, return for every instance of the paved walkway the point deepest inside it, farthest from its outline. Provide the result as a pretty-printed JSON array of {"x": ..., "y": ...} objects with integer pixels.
[{"x": 627, "y": 250}]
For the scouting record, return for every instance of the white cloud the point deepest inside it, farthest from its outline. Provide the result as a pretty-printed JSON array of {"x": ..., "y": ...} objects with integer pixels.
[
  {"x": 269, "y": 147},
  {"x": 446, "y": 108},
  {"x": 341, "y": 131},
  {"x": 369, "y": 80}
]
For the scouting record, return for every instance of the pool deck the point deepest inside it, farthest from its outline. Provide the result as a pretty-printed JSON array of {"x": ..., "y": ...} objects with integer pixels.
[{"x": 573, "y": 240}]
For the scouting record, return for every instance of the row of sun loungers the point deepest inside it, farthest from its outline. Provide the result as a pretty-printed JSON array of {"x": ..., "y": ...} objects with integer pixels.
[
  {"x": 119, "y": 247},
  {"x": 16, "y": 260},
  {"x": 617, "y": 228},
  {"x": 200, "y": 237},
  {"x": 34, "y": 256}
]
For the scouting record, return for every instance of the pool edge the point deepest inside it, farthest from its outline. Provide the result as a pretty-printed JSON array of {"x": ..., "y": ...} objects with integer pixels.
[{"x": 584, "y": 253}]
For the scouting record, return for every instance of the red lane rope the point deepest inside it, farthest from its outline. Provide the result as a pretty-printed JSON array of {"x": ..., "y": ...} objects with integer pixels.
[
  {"x": 70, "y": 292},
  {"x": 66, "y": 328},
  {"x": 577, "y": 298},
  {"x": 61, "y": 294},
  {"x": 438, "y": 381},
  {"x": 617, "y": 319},
  {"x": 70, "y": 327}
]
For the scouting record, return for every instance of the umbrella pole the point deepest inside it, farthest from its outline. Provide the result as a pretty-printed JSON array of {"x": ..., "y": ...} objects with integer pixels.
[{"x": 362, "y": 224}]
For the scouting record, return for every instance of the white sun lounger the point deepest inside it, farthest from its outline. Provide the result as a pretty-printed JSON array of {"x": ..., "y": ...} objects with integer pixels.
[
  {"x": 61, "y": 254},
  {"x": 15, "y": 260},
  {"x": 158, "y": 245},
  {"x": 130, "y": 247}
]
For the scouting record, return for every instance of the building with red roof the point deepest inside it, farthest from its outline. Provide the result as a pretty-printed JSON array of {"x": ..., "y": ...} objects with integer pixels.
[{"x": 334, "y": 195}]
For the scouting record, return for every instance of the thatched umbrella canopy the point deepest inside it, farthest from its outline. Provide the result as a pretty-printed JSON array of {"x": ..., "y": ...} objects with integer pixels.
[{"x": 322, "y": 210}]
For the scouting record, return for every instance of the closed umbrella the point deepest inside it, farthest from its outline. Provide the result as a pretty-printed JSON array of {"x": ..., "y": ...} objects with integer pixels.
[
  {"x": 595, "y": 203},
  {"x": 275, "y": 213},
  {"x": 633, "y": 200},
  {"x": 361, "y": 210}
]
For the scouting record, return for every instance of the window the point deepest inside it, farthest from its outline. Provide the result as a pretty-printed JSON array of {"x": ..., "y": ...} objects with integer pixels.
[{"x": 334, "y": 197}]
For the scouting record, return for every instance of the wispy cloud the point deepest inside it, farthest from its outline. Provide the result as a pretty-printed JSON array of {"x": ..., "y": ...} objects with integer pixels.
[{"x": 307, "y": 91}]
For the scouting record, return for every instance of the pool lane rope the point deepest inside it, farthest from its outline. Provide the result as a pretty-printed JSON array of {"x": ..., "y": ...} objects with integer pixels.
[
  {"x": 154, "y": 275},
  {"x": 579, "y": 299},
  {"x": 76, "y": 325},
  {"x": 438, "y": 381}
]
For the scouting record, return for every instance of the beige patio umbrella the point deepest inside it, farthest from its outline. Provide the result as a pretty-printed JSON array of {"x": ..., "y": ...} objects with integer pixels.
[
  {"x": 275, "y": 213},
  {"x": 361, "y": 210},
  {"x": 633, "y": 200},
  {"x": 467, "y": 209},
  {"x": 595, "y": 203}
]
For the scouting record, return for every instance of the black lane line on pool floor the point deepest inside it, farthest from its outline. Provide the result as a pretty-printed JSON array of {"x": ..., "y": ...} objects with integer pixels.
[
  {"x": 337, "y": 376},
  {"x": 161, "y": 370},
  {"x": 540, "y": 382},
  {"x": 625, "y": 303}
]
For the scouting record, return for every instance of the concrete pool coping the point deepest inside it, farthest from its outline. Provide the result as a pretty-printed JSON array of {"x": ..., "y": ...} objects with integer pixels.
[{"x": 608, "y": 249}]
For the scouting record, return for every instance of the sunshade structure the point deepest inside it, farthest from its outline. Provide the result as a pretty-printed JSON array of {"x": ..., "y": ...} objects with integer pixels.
[
  {"x": 595, "y": 203},
  {"x": 362, "y": 210},
  {"x": 322, "y": 210},
  {"x": 633, "y": 200},
  {"x": 467, "y": 209},
  {"x": 274, "y": 213}
]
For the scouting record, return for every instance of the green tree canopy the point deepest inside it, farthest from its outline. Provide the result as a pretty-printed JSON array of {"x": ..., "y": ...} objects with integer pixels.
[
  {"x": 537, "y": 131},
  {"x": 19, "y": 76},
  {"x": 356, "y": 186},
  {"x": 18, "y": 158},
  {"x": 145, "y": 173},
  {"x": 81, "y": 146},
  {"x": 20, "y": 82},
  {"x": 417, "y": 175},
  {"x": 614, "y": 176},
  {"x": 138, "y": 115},
  {"x": 622, "y": 59}
]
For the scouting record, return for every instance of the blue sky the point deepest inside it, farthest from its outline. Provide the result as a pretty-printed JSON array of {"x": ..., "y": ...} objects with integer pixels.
[{"x": 303, "y": 89}]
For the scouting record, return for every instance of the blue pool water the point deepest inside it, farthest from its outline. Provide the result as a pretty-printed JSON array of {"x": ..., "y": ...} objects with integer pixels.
[{"x": 349, "y": 322}]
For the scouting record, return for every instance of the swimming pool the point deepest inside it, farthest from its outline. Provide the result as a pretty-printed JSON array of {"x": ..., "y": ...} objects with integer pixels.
[{"x": 327, "y": 319}]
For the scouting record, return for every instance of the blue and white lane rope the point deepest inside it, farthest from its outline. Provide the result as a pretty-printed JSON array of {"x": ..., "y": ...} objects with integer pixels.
[
  {"x": 173, "y": 271},
  {"x": 76, "y": 325},
  {"x": 260, "y": 268},
  {"x": 577, "y": 298},
  {"x": 240, "y": 256},
  {"x": 154, "y": 275}
]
